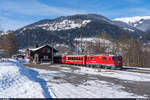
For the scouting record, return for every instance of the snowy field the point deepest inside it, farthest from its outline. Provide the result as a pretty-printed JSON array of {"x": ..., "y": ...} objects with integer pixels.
[
  {"x": 89, "y": 89},
  {"x": 18, "y": 81}
]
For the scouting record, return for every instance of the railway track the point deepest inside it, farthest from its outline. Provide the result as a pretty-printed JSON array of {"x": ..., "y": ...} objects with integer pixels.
[
  {"x": 125, "y": 69},
  {"x": 138, "y": 71}
]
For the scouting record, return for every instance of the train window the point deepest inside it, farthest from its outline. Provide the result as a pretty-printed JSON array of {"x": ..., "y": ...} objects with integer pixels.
[
  {"x": 92, "y": 58},
  {"x": 104, "y": 58},
  {"x": 115, "y": 58},
  {"x": 120, "y": 58},
  {"x": 109, "y": 58}
]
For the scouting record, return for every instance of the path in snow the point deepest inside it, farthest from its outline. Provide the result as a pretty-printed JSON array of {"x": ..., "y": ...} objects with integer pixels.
[{"x": 18, "y": 81}]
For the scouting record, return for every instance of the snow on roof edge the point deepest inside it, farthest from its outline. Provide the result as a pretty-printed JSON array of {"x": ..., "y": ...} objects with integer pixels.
[{"x": 34, "y": 49}]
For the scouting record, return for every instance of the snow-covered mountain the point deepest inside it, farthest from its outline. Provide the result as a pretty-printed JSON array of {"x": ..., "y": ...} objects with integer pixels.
[
  {"x": 63, "y": 25},
  {"x": 130, "y": 20},
  {"x": 139, "y": 22},
  {"x": 65, "y": 22},
  {"x": 66, "y": 28},
  {"x": 127, "y": 27}
]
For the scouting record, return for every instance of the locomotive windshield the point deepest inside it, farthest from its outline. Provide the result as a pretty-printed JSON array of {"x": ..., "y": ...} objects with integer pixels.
[{"x": 117, "y": 58}]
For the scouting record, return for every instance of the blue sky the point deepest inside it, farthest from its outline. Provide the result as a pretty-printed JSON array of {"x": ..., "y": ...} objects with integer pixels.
[{"x": 17, "y": 13}]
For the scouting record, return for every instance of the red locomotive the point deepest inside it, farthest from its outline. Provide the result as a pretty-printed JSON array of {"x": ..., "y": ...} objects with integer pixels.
[{"x": 109, "y": 61}]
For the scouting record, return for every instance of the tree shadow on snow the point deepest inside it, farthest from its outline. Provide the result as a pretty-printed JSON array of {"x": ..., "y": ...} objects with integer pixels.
[{"x": 33, "y": 76}]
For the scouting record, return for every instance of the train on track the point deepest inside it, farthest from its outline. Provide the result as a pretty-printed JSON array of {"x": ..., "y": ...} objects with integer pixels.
[{"x": 102, "y": 61}]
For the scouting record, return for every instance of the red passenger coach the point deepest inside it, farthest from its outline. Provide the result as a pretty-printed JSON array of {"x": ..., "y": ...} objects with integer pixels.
[{"x": 72, "y": 59}]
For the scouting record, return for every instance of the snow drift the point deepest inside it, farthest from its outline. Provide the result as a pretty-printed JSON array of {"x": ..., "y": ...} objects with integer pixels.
[{"x": 18, "y": 81}]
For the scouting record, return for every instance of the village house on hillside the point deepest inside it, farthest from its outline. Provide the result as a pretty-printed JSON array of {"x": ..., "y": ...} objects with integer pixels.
[{"x": 40, "y": 54}]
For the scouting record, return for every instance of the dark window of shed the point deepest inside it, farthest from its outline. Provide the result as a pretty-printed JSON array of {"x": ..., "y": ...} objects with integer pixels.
[
  {"x": 104, "y": 58},
  {"x": 48, "y": 50}
]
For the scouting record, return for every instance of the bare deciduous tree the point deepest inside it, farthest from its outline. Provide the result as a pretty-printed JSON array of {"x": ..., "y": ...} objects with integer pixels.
[{"x": 9, "y": 43}]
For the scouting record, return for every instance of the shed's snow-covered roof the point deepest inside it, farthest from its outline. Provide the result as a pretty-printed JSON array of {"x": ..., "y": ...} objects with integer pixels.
[{"x": 35, "y": 49}]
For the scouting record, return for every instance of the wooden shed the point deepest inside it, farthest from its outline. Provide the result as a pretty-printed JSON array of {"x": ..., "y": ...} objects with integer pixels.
[{"x": 40, "y": 54}]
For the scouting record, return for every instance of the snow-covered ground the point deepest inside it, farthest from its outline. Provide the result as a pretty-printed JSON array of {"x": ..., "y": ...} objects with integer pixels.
[
  {"x": 63, "y": 25},
  {"x": 123, "y": 75},
  {"x": 18, "y": 81},
  {"x": 94, "y": 40},
  {"x": 89, "y": 89}
]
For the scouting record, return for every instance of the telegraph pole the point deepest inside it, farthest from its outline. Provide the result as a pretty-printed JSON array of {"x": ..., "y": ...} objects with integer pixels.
[{"x": 52, "y": 52}]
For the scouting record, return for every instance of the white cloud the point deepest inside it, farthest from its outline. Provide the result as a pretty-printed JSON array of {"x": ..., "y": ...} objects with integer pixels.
[
  {"x": 28, "y": 8},
  {"x": 11, "y": 24},
  {"x": 33, "y": 7},
  {"x": 126, "y": 12}
]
